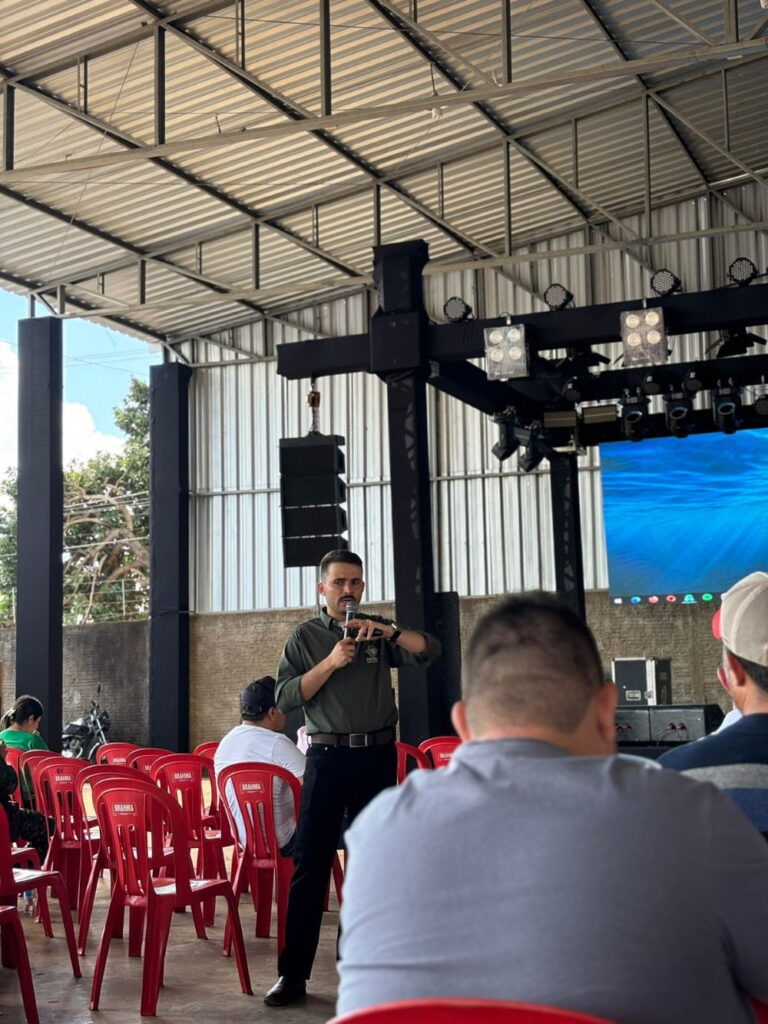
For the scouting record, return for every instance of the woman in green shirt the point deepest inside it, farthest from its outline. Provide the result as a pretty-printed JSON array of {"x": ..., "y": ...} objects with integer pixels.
[{"x": 20, "y": 726}]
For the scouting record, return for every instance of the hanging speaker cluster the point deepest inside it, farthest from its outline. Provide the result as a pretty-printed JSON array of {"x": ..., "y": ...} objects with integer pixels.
[{"x": 311, "y": 497}]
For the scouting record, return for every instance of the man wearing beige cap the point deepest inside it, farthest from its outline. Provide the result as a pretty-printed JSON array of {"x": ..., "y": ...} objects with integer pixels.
[{"x": 737, "y": 757}]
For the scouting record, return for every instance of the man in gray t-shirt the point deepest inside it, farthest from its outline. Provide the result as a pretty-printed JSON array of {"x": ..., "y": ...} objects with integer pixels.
[{"x": 539, "y": 867}]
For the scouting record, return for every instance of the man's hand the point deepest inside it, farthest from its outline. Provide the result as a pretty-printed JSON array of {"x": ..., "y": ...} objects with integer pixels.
[
  {"x": 342, "y": 654},
  {"x": 367, "y": 630}
]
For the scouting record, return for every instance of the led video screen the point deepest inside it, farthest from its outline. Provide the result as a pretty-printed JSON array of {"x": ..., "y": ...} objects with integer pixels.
[{"x": 684, "y": 517}]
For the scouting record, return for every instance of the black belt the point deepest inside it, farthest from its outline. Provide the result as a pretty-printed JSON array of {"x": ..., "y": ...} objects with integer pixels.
[{"x": 353, "y": 739}]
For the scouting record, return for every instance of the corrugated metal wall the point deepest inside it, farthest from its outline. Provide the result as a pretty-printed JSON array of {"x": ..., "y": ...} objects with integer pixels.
[{"x": 492, "y": 523}]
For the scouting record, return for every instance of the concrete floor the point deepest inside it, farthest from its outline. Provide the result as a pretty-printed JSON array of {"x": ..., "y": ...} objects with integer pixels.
[{"x": 200, "y": 984}]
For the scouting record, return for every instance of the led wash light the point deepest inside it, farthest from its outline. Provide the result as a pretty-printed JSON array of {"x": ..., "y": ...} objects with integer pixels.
[
  {"x": 506, "y": 354},
  {"x": 644, "y": 337}
]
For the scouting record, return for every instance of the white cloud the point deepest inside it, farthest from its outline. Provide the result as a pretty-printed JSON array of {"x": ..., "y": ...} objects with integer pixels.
[{"x": 80, "y": 437}]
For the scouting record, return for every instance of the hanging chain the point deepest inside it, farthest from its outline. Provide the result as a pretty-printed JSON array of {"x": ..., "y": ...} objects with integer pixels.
[{"x": 313, "y": 401}]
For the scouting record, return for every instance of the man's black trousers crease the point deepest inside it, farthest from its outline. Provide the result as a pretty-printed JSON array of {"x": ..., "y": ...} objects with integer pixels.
[{"x": 337, "y": 779}]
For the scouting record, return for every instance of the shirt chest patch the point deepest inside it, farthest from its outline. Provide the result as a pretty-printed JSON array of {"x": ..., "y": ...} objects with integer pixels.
[{"x": 371, "y": 654}]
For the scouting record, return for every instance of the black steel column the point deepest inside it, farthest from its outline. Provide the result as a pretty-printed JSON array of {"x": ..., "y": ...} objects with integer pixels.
[
  {"x": 169, "y": 557},
  {"x": 398, "y": 347},
  {"x": 566, "y": 529},
  {"x": 40, "y": 521}
]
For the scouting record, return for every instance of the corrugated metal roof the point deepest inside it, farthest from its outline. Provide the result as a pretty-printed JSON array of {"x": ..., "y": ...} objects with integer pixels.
[{"x": 83, "y": 78}]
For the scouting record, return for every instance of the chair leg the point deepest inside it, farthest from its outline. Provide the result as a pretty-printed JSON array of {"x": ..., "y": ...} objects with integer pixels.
[
  {"x": 158, "y": 926},
  {"x": 338, "y": 877},
  {"x": 86, "y": 907},
  {"x": 13, "y": 934},
  {"x": 262, "y": 898},
  {"x": 135, "y": 930},
  {"x": 284, "y": 872},
  {"x": 239, "y": 886},
  {"x": 237, "y": 937},
  {"x": 57, "y": 885},
  {"x": 114, "y": 915},
  {"x": 43, "y": 911}
]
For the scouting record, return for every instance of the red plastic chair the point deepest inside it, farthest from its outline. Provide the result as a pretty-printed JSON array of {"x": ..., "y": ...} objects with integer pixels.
[
  {"x": 207, "y": 749},
  {"x": 260, "y": 861},
  {"x": 143, "y": 760},
  {"x": 182, "y": 776},
  {"x": 115, "y": 753},
  {"x": 440, "y": 749},
  {"x": 405, "y": 751},
  {"x": 95, "y": 852},
  {"x": 14, "y": 881},
  {"x": 68, "y": 851},
  {"x": 33, "y": 766},
  {"x": 15, "y": 954},
  {"x": 133, "y": 823},
  {"x": 465, "y": 1011}
]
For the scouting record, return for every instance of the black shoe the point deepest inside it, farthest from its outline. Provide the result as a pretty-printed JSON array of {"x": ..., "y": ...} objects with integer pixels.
[{"x": 286, "y": 991}]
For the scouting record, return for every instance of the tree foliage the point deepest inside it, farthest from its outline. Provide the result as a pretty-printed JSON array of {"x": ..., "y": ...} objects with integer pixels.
[{"x": 106, "y": 526}]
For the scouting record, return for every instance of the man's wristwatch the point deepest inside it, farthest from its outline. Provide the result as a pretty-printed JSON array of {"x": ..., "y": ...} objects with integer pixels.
[{"x": 393, "y": 639}]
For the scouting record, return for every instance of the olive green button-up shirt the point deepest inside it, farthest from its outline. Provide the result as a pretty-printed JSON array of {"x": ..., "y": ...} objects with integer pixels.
[{"x": 356, "y": 698}]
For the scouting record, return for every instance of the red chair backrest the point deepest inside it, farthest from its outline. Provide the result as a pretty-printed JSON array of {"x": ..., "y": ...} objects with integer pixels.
[
  {"x": 440, "y": 749},
  {"x": 115, "y": 753},
  {"x": 207, "y": 749},
  {"x": 13, "y": 757},
  {"x": 59, "y": 781},
  {"x": 404, "y": 751},
  {"x": 27, "y": 758},
  {"x": 253, "y": 785},
  {"x": 33, "y": 766},
  {"x": 136, "y": 820},
  {"x": 465, "y": 1011},
  {"x": 181, "y": 775},
  {"x": 142, "y": 760},
  {"x": 93, "y": 773}
]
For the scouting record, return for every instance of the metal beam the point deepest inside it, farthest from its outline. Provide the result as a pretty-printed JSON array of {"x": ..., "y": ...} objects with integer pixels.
[
  {"x": 326, "y": 86},
  {"x": 686, "y": 313},
  {"x": 159, "y": 85},
  {"x": 678, "y": 18},
  {"x": 9, "y": 126}
]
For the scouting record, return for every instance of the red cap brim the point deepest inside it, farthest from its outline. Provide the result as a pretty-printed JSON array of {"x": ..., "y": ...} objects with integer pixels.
[{"x": 716, "y": 625}]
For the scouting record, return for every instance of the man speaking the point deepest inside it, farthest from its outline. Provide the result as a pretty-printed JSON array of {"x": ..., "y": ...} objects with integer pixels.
[{"x": 337, "y": 668}]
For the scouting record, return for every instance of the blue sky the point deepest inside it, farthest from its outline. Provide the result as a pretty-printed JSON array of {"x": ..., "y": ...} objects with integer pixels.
[{"x": 98, "y": 365}]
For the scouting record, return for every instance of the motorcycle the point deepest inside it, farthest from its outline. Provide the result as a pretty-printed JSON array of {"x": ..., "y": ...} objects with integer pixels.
[{"x": 83, "y": 736}]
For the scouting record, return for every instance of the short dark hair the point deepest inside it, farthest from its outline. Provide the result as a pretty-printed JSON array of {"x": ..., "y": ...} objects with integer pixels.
[
  {"x": 531, "y": 661},
  {"x": 257, "y": 699},
  {"x": 339, "y": 555},
  {"x": 757, "y": 673}
]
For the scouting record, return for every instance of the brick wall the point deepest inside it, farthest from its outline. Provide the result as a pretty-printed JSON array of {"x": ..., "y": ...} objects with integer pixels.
[{"x": 228, "y": 651}]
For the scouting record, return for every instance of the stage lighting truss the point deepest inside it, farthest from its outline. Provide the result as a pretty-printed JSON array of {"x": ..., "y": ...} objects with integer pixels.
[
  {"x": 664, "y": 282},
  {"x": 726, "y": 405},
  {"x": 678, "y": 409},
  {"x": 557, "y": 297},
  {"x": 506, "y": 352},
  {"x": 742, "y": 272},
  {"x": 644, "y": 337},
  {"x": 634, "y": 416},
  {"x": 456, "y": 309}
]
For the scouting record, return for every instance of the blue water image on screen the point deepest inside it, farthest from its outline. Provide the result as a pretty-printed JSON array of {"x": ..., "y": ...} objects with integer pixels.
[{"x": 685, "y": 515}]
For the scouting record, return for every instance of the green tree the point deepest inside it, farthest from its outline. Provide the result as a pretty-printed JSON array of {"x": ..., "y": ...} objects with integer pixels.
[{"x": 106, "y": 526}]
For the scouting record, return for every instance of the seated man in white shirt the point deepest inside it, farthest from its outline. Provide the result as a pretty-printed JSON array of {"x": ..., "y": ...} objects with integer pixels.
[{"x": 259, "y": 737}]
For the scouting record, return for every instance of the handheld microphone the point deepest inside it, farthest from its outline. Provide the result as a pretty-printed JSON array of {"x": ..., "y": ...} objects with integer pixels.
[{"x": 350, "y": 613}]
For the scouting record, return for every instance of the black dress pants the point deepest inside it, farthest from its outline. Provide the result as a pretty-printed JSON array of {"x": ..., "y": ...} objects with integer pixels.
[{"x": 337, "y": 779}]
